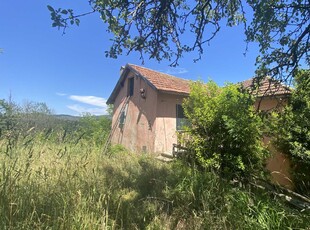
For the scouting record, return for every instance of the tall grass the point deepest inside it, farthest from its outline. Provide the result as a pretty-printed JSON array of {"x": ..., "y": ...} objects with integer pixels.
[{"x": 63, "y": 184}]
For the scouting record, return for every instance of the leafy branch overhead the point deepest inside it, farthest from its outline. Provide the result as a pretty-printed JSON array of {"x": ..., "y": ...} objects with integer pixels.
[{"x": 156, "y": 28}]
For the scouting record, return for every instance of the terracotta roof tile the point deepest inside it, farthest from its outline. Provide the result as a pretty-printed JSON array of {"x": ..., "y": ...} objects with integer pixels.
[
  {"x": 162, "y": 81},
  {"x": 170, "y": 84},
  {"x": 267, "y": 87}
]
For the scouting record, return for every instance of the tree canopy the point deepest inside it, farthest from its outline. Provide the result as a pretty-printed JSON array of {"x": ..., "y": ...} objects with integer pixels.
[{"x": 156, "y": 28}]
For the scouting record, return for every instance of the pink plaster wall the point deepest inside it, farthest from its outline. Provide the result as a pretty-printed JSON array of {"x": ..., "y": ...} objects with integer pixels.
[
  {"x": 138, "y": 132},
  {"x": 278, "y": 164},
  {"x": 270, "y": 103},
  {"x": 166, "y": 134}
]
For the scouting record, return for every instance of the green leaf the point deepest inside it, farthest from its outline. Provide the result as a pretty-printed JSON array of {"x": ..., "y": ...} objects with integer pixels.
[
  {"x": 50, "y": 8},
  {"x": 77, "y": 21},
  {"x": 64, "y": 12}
]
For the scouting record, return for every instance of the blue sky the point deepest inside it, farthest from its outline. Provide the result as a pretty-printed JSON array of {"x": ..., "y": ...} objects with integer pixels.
[{"x": 71, "y": 73}]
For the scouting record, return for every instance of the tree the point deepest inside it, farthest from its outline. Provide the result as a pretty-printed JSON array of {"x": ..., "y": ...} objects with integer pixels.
[
  {"x": 95, "y": 128},
  {"x": 31, "y": 107},
  {"x": 5, "y": 113},
  {"x": 226, "y": 132},
  {"x": 156, "y": 28},
  {"x": 17, "y": 119},
  {"x": 8, "y": 113}
]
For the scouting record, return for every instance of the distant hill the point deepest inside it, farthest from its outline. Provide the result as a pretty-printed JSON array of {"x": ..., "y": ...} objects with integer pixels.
[
  {"x": 75, "y": 118},
  {"x": 66, "y": 117}
]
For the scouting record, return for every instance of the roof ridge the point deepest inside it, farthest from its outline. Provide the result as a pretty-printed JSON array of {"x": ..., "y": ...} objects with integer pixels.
[
  {"x": 162, "y": 81},
  {"x": 169, "y": 75},
  {"x": 267, "y": 86},
  {"x": 269, "y": 78}
]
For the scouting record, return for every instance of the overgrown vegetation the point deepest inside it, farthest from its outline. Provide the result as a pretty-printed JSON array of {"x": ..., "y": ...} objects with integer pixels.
[
  {"x": 226, "y": 132},
  {"x": 294, "y": 131},
  {"x": 36, "y": 119},
  {"x": 53, "y": 179},
  {"x": 73, "y": 186}
]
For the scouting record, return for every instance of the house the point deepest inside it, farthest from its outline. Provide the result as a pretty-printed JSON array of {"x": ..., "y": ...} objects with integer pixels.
[
  {"x": 270, "y": 95},
  {"x": 148, "y": 112},
  {"x": 147, "y": 109}
]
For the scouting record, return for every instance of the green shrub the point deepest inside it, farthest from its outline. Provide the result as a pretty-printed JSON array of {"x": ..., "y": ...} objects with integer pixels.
[
  {"x": 226, "y": 133},
  {"x": 293, "y": 131},
  {"x": 95, "y": 129}
]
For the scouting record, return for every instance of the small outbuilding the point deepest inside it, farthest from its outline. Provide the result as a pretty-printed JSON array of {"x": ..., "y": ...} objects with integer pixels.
[{"x": 147, "y": 109}]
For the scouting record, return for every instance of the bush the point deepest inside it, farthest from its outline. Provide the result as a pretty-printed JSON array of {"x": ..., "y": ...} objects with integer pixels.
[
  {"x": 95, "y": 129},
  {"x": 293, "y": 130},
  {"x": 226, "y": 133}
]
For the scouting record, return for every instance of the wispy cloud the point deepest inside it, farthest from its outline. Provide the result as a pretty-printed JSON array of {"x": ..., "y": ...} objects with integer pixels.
[
  {"x": 90, "y": 100},
  {"x": 176, "y": 70},
  {"x": 61, "y": 94},
  {"x": 86, "y": 104},
  {"x": 92, "y": 110}
]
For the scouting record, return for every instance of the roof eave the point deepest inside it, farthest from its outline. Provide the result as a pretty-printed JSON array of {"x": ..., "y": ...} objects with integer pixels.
[
  {"x": 143, "y": 78},
  {"x": 288, "y": 94},
  {"x": 120, "y": 81},
  {"x": 118, "y": 86},
  {"x": 173, "y": 92}
]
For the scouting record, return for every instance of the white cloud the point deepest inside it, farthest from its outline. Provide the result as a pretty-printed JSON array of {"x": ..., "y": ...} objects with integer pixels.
[
  {"x": 90, "y": 100},
  {"x": 173, "y": 71},
  {"x": 80, "y": 110},
  {"x": 86, "y": 104}
]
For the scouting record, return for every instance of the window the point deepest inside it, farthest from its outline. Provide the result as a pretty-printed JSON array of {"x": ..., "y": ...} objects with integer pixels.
[
  {"x": 130, "y": 86},
  {"x": 180, "y": 118}
]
